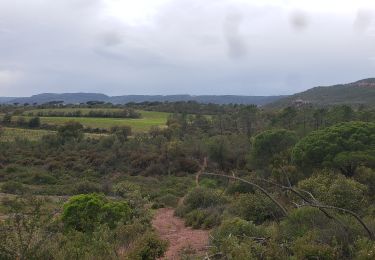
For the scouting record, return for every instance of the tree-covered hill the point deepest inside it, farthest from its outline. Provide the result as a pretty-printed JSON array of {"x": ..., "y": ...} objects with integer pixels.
[{"x": 357, "y": 93}]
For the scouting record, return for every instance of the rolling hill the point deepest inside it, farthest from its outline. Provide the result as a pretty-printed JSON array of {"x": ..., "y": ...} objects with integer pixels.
[
  {"x": 356, "y": 93},
  {"x": 74, "y": 98}
]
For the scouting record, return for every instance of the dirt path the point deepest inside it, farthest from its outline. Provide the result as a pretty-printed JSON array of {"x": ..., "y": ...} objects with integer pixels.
[{"x": 180, "y": 237}]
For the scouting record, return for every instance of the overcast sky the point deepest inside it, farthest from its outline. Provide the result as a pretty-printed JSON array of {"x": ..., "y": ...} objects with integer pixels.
[{"x": 247, "y": 47}]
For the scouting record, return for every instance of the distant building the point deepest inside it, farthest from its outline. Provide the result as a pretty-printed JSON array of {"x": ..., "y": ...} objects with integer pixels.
[{"x": 300, "y": 102}]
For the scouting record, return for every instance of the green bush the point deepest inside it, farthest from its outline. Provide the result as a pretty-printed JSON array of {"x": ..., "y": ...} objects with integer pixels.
[
  {"x": 86, "y": 187},
  {"x": 337, "y": 190},
  {"x": 148, "y": 247},
  {"x": 239, "y": 187},
  {"x": 86, "y": 212},
  {"x": 308, "y": 247},
  {"x": 239, "y": 228},
  {"x": 13, "y": 187},
  {"x": 301, "y": 220},
  {"x": 203, "y": 218},
  {"x": 201, "y": 198},
  {"x": 366, "y": 176},
  {"x": 40, "y": 178},
  {"x": 168, "y": 200},
  {"x": 77, "y": 245},
  {"x": 254, "y": 207},
  {"x": 365, "y": 249}
]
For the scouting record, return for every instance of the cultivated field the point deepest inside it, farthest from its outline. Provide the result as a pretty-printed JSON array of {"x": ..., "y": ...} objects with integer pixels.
[
  {"x": 84, "y": 111},
  {"x": 149, "y": 119}
]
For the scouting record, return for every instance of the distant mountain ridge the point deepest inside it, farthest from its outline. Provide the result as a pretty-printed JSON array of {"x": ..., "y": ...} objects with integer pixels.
[
  {"x": 356, "y": 93},
  {"x": 361, "y": 92},
  {"x": 74, "y": 98}
]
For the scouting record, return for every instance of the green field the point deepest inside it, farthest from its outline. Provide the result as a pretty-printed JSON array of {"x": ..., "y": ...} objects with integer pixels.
[{"x": 149, "y": 119}]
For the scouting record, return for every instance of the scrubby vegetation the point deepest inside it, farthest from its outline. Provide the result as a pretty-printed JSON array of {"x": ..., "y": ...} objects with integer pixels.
[{"x": 295, "y": 183}]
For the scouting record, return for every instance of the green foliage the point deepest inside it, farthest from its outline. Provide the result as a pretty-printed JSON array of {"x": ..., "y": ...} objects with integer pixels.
[
  {"x": 366, "y": 176},
  {"x": 7, "y": 119},
  {"x": 201, "y": 198},
  {"x": 148, "y": 247},
  {"x": 309, "y": 247},
  {"x": 365, "y": 249},
  {"x": 203, "y": 218},
  {"x": 98, "y": 244},
  {"x": 336, "y": 190},
  {"x": 34, "y": 122},
  {"x": 239, "y": 187},
  {"x": 24, "y": 234},
  {"x": 344, "y": 146},
  {"x": 268, "y": 144},
  {"x": 254, "y": 207},
  {"x": 86, "y": 187},
  {"x": 301, "y": 220},
  {"x": 237, "y": 227},
  {"x": 85, "y": 212},
  {"x": 71, "y": 131},
  {"x": 13, "y": 187},
  {"x": 121, "y": 132},
  {"x": 168, "y": 200}
]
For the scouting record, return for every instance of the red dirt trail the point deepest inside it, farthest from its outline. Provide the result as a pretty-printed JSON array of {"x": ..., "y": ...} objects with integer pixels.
[{"x": 180, "y": 237}]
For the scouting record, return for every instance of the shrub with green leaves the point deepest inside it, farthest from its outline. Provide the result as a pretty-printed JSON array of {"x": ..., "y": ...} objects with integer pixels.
[
  {"x": 365, "y": 249},
  {"x": 309, "y": 247},
  {"x": 203, "y": 218},
  {"x": 13, "y": 187},
  {"x": 301, "y": 220},
  {"x": 254, "y": 207},
  {"x": 201, "y": 198},
  {"x": 85, "y": 212},
  {"x": 148, "y": 247},
  {"x": 336, "y": 190}
]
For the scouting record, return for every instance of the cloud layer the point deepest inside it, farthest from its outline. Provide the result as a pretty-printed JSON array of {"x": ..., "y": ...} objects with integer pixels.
[{"x": 183, "y": 46}]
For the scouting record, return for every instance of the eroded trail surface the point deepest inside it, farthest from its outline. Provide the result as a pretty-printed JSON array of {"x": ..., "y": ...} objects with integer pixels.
[{"x": 180, "y": 237}]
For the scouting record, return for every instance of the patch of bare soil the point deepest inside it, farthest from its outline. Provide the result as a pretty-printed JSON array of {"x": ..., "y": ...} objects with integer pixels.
[{"x": 180, "y": 237}]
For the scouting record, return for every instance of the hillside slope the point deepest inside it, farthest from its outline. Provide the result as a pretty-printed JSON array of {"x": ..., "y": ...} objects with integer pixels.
[{"x": 356, "y": 93}]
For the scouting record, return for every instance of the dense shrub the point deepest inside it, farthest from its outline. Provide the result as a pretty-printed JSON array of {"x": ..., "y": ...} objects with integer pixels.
[
  {"x": 309, "y": 247},
  {"x": 41, "y": 178},
  {"x": 148, "y": 247},
  {"x": 203, "y": 218},
  {"x": 168, "y": 200},
  {"x": 201, "y": 198},
  {"x": 237, "y": 227},
  {"x": 13, "y": 187},
  {"x": 86, "y": 187},
  {"x": 85, "y": 212},
  {"x": 365, "y": 249},
  {"x": 301, "y": 220},
  {"x": 366, "y": 176},
  {"x": 254, "y": 207},
  {"x": 336, "y": 190}
]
